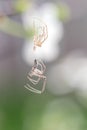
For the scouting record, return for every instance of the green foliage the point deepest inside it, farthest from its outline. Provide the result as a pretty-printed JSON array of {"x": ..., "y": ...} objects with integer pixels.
[
  {"x": 21, "y": 5},
  {"x": 63, "y": 12},
  {"x": 15, "y": 29}
]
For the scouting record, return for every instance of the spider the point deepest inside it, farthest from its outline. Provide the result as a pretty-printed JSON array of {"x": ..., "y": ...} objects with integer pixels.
[
  {"x": 37, "y": 70},
  {"x": 42, "y": 36}
]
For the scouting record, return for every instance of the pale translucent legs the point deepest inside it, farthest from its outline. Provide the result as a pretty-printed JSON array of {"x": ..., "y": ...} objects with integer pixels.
[
  {"x": 35, "y": 82},
  {"x": 27, "y": 86},
  {"x": 39, "y": 39}
]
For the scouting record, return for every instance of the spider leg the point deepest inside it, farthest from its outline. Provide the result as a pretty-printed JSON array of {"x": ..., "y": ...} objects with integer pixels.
[
  {"x": 43, "y": 67},
  {"x": 41, "y": 37},
  {"x": 40, "y": 66},
  {"x": 32, "y": 89},
  {"x": 44, "y": 36},
  {"x": 37, "y": 37},
  {"x": 30, "y": 77},
  {"x": 44, "y": 84},
  {"x": 33, "y": 81}
]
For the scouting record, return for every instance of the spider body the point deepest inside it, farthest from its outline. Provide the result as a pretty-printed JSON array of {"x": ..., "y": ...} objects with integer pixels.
[{"x": 37, "y": 70}]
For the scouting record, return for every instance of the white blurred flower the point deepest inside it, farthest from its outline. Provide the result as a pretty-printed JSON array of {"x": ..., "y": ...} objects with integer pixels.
[
  {"x": 46, "y": 52},
  {"x": 50, "y": 48},
  {"x": 70, "y": 74}
]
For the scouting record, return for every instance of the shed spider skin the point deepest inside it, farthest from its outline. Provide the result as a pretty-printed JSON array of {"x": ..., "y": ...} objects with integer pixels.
[{"x": 40, "y": 38}]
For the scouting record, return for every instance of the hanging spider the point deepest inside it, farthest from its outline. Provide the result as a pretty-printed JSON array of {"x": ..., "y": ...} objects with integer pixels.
[
  {"x": 37, "y": 70},
  {"x": 41, "y": 32}
]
